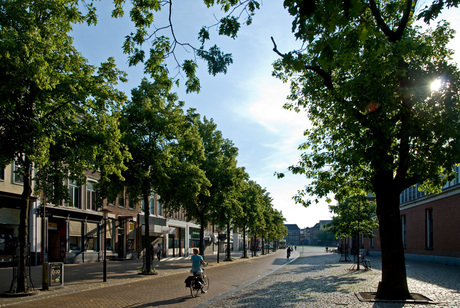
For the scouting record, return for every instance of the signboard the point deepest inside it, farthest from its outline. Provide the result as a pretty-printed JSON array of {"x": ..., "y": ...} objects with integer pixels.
[
  {"x": 53, "y": 275},
  {"x": 194, "y": 233},
  {"x": 56, "y": 274}
]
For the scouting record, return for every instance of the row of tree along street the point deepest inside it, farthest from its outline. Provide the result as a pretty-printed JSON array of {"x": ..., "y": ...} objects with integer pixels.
[
  {"x": 363, "y": 77},
  {"x": 61, "y": 117}
]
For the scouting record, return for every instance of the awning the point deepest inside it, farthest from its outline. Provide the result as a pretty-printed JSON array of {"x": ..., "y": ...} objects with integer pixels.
[
  {"x": 109, "y": 228},
  {"x": 75, "y": 228},
  {"x": 91, "y": 229}
]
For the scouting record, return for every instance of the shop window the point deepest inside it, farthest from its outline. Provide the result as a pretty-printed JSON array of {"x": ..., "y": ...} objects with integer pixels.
[
  {"x": 74, "y": 193},
  {"x": 7, "y": 240},
  {"x": 75, "y": 235},
  {"x": 91, "y": 200},
  {"x": 108, "y": 234},
  {"x": 429, "y": 228},
  {"x": 91, "y": 236},
  {"x": 131, "y": 235}
]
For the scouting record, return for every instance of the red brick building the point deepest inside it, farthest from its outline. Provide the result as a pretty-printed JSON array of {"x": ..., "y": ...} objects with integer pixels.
[{"x": 430, "y": 225}]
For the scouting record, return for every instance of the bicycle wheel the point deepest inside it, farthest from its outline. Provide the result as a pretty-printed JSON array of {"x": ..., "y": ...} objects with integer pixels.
[
  {"x": 192, "y": 288},
  {"x": 197, "y": 288},
  {"x": 206, "y": 282}
]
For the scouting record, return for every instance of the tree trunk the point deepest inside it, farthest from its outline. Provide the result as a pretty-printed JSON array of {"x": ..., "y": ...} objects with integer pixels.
[
  {"x": 229, "y": 258},
  {"x": 245, "y": 252},
  {"x": 263, "y": 245},
  {"x": 22, "y": 284},
  {"x": 394, "y": 281}
]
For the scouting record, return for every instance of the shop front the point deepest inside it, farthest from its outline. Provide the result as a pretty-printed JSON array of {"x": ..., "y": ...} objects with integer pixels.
[
  {"x": 156, "y": 236},
  {"x": 9, "y": 223},
  {"x": 9, "y": 227},
  {"x": 71, "y": 236}
]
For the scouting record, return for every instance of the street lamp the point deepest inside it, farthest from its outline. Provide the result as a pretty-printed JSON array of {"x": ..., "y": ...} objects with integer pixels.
[
  {"x": 357, "y": 263},
  {"x": 105, "y": 213}
]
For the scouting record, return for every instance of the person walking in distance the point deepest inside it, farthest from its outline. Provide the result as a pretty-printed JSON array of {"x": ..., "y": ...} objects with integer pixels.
[
  {"x": 288, "y": 251},
  {"x": 159, "y": 250}
]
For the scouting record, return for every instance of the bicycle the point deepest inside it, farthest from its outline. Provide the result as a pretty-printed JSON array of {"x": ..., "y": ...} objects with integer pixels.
[{"x": 196, "y": 284}]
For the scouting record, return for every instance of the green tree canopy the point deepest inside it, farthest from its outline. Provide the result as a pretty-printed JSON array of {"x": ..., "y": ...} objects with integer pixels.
[
  {"x": 166, "y": 151},
  {"x": 57, "y": 113},
  {"x": 364, "y": 79},
  {"x": 355, "y": 215}
]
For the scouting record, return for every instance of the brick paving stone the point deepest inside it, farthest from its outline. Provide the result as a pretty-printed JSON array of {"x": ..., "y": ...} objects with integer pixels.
[{"x": 164, "y": 290}]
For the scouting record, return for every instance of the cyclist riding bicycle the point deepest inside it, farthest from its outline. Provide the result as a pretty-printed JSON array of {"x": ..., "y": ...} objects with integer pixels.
[{"x": 197, "y": 270}]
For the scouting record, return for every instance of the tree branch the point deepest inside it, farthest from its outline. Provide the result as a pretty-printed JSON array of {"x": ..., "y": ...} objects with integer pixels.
[
  {"x": 393, "y": 36},
  {"x": 317, "y": 69}
]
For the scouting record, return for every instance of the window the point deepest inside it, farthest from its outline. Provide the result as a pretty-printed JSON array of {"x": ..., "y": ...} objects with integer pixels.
[
  {"x": 159, "y": 211},
  {"x": 91, "y": 236},
  {"x": 108, "y": 239},
  {"x": 75, "y": 235},
  {"x": 372, "y": 239},
  {"x": 2, "y": 174},
  {"x": 74, "y": 193},
  {"x": 121, "y": 200},
  {"x": 429, "y": 228},
  {"x": 17, "y": 178},
  {"x": 91, "y": 200},
  {"x": 403, "y": 224},
  {"x": 130, "y": 203},
  {"x": 152, "y": 204}
]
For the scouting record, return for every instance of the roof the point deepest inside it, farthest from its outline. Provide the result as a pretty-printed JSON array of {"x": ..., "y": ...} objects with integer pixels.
[{"x": 292, "y": 227}]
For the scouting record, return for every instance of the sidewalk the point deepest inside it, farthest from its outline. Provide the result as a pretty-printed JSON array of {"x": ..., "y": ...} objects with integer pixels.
[
  {"x": 86, "y": 276},
  {"x": 167, "y": 289}
]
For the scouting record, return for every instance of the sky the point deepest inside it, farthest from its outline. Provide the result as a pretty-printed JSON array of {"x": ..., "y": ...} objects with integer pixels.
[{"x": 246, "y": 103}]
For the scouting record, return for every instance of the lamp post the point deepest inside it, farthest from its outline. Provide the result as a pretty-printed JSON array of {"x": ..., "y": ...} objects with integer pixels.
[
  {"x": 357, "y": 262},
  {"x": 105, "y": 213}
]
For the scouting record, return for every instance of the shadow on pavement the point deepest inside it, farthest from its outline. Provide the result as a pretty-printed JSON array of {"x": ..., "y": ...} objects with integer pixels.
[{"x": 181, "y": 300}]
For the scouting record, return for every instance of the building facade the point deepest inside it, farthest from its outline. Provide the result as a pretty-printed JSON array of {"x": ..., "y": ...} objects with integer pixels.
[
  {"x": 73, "y": 232},
  {"x": 293, "y": 236},
  {"x": 430, "y": 224}
]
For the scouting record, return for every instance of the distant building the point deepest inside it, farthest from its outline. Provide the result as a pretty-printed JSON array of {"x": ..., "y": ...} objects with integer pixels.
[
  {"x": 293, "y": 237},
  {"x": 310, "y": 234}
]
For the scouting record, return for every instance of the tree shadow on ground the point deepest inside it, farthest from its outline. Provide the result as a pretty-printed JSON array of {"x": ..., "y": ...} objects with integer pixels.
[
  {"x": 446, "y": 276},
  {"x": 292, "y": 293}
]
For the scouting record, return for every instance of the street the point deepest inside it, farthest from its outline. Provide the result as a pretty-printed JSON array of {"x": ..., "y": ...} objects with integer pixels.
[
  {"x": 131, "y": 290},
  {"x": 310, "y": 278}
]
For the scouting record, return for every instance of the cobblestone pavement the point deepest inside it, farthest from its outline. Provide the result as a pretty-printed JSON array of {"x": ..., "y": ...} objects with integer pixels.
[
  {"x": 317, "y": 279},
  {"x": 311, "y": 278}
]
